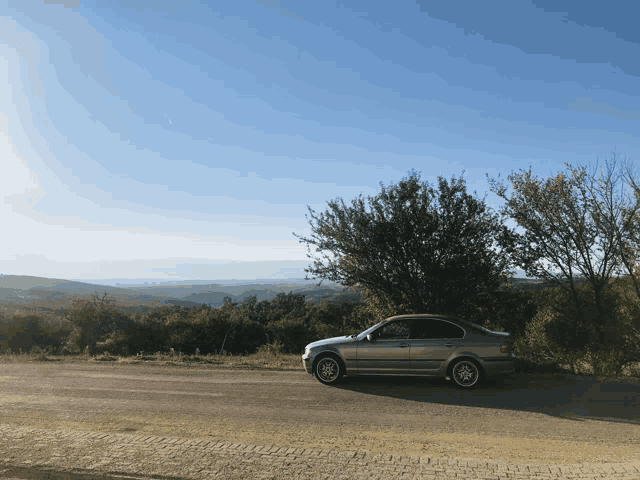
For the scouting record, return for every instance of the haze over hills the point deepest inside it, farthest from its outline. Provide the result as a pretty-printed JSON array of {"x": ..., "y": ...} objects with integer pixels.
[{"x": 27, "y": 289}]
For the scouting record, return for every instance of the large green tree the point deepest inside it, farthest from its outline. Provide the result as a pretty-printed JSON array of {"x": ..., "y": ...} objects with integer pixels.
[
  {"x": 579, "y": 228},
  {"x": 413, "y": 248},
  {"x": 578, "y": 224}
]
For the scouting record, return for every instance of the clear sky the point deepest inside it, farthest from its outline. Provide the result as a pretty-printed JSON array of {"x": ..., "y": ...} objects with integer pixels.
[{"x": 184, "y": 140}]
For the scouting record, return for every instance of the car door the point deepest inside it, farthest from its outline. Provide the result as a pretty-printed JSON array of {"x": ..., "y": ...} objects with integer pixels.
[
  {"x": 433, "y": 341},
  {"x": 388, "y": 352}
]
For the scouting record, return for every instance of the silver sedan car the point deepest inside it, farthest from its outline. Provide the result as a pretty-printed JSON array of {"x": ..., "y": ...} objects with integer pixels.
[{"x": 427, "y": 345}]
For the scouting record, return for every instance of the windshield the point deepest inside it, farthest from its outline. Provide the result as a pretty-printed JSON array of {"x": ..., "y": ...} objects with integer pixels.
[{"x": 369, "y": 330}]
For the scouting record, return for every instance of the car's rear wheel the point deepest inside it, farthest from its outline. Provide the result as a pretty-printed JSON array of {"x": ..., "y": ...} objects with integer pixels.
[
  {"x": 328, "y": 370},
  {"x": 466, "y": 373}
]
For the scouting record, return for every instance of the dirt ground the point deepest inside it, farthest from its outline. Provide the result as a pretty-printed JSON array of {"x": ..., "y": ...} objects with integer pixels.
[{"x": 521, "y": 419}]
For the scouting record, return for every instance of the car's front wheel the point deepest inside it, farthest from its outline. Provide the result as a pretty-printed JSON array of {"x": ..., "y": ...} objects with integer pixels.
[
  {"x": 466, "y": 373},
  {"x": 328, "y": 370}
]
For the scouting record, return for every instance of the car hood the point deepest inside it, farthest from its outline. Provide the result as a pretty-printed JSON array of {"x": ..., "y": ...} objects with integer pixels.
[{"x": 329, "y": 341}]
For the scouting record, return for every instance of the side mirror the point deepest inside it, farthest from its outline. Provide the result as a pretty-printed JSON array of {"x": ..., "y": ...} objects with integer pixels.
[{"x": 370, "y": 337}]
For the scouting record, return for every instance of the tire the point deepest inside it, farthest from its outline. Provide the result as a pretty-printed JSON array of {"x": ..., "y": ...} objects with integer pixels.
[
  {"x": 328, "y": 370},
  {"x": 466, "y": 373}
]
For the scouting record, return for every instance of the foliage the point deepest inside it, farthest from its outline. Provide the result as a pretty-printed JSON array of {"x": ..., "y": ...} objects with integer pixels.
[
  {"x": 581, "y": 232},
  {"x": 23, "y": 331},
  {"x": 534, "y": 317},
  {"x": 333, "y": 318},
  {"x": 562, "y": 332},
  {"x": 275, "y": 348},
  {"x": 623, "y": 334},
  {"x": 415, "y": 248},
  {"x": 412, "y": 248},
  {"x": 553, "y": 336},
  {"x": 92, "y": 320},
  {"x": 511, "y": 311},
  {"x": 117, "y": 342},
  {"x": 577, "y": 224}
]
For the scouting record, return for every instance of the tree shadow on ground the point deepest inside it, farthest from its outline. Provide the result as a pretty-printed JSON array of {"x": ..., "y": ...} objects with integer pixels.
[{"x": 576, "y": 398}]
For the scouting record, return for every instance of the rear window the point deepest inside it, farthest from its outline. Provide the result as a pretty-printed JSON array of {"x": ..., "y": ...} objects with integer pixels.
[
  {"x": 434, "y": 328},
  {"x": 474, "y": 325}
]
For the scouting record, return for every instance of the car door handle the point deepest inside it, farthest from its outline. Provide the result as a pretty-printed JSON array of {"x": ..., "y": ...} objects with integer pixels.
[
  {"x": 449, "y": 344},
  {"x": 403, "y": 345}
]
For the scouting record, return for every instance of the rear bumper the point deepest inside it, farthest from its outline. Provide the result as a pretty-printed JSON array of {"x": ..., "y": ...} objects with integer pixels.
[{"x": 499, "y": 366}]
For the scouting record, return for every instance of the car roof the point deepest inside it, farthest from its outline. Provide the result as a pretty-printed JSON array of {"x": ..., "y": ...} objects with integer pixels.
[
  {"x": 424, "y": 315},
  {"x": 461, "y": 322},
  {"x": 435, "y": 316}
]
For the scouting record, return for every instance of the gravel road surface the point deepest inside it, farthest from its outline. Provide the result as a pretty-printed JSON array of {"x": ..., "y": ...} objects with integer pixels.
[{"x": 267, "y": 424}]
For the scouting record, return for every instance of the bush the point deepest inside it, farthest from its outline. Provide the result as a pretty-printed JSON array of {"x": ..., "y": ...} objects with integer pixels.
[
  {"x": 105, "y": 357},
  {"x": 292, "y": 333},
  {"x": 275, "y": 348},
  {"x": 568, "y": 331},
  {"x": 73, "y": 345},
  {"x": 149, "y": 333},
  {"x": 69, "y": 350},
  {"x": 117, "y": 343},
  {"x": 247, "y": 336},
  {"x": 51, "y": 349},
  {"x": 537, "y": 349}
]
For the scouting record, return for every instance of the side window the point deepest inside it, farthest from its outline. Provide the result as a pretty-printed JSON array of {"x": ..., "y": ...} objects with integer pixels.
[
  {"x": 395, "y": 330},
  {"x": 433, "y": 328}
]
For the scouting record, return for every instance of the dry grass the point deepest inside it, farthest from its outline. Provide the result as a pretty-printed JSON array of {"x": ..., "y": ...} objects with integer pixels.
[
  {"x": 630, "y": 373},
  {"x": 263, "y": 360}
]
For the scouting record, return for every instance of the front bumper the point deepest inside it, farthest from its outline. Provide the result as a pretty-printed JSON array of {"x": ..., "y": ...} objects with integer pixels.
[{"x": 307, "y": 364}]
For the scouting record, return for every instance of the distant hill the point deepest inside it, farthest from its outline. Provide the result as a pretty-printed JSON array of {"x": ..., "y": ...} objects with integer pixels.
[
  {"x": 527, "y": 283},
  {"x": 53, "y": 294},
  {"x": 18, "y": 287},
  {"x": 18, "y": 290}
]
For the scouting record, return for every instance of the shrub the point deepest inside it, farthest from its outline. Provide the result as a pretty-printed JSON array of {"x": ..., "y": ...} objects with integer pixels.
[
  {"x": 568, "y": 331},
  {"x": 292, "y": 333},
  {"x": 275, "y": 348},
  {"x": 248, "y": 336},
  {"x": 537, "y": 348},
  {"x": 105, "y": 357},
  {"x": 51, "y": 349},
  {"x": 69, "y": 350},
  {"x": 117, "y": 342}
]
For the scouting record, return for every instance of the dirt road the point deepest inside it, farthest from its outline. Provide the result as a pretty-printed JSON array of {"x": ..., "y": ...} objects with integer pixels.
[{"x": 521, "y": 420}]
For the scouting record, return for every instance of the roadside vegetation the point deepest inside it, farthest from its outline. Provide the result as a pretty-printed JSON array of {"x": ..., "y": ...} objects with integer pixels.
[
  {"x": 262, "y": 335},
  {"x": 268, "y": 357},
  {"x": 413, "y": 248}
]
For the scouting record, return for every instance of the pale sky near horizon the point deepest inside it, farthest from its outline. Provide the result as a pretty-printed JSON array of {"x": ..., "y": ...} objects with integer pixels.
[{"x": 185, "y": 139}]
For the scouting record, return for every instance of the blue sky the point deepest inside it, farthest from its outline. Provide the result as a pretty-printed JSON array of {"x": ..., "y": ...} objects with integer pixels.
[{"x": 184, "y": 140}]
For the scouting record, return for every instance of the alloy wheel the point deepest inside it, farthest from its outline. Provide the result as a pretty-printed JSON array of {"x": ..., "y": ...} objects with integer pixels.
[
  {"x": 466, "y": 373},
  {"x": 328, "y": 370}
]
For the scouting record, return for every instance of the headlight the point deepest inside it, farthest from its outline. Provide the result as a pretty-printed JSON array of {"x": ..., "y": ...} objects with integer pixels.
[
  {"x": 504, "y": 348},
  {"x": 307, "y": 352}
]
